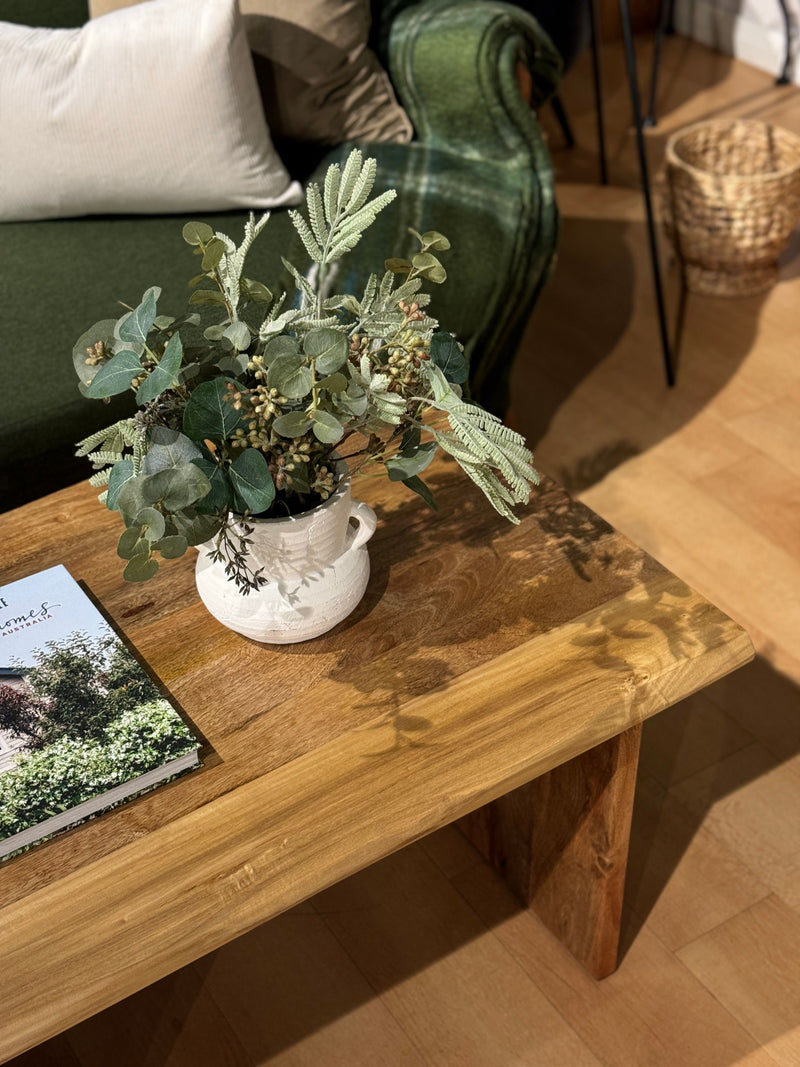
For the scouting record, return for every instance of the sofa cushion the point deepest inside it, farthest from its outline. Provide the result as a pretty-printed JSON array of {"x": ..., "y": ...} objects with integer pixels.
[
  {"x": 319, "y": 81},
  {"x": 155, "y": 110}
]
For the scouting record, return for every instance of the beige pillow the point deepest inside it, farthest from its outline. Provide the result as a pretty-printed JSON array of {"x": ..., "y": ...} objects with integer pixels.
[
  {"x": 153, "y": 110},
  {"x": 319, "y": 81}
]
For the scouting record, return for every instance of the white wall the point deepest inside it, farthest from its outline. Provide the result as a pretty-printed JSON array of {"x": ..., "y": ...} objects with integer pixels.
[{"x": 751, "y": 30}]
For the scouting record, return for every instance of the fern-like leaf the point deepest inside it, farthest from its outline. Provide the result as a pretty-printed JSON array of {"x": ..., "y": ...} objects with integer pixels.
[
  {"x": 106, "y": 456},
  {"x": 484, "y": 446},
  {"x": 232, "y": 263},
  {"x": 139, "y": 452},
  {"x": 402, "y": 292},
  {"x": 362, "y": 187},
  {"x": 270, "y": 327},
  {"x": 333, "y": 177},
  {"x": 350, "y": 175},
  {"x": 316, "y": 214},
  {"x": 100, "y": 478},
  {"x": 306, "y": 236},
  {"x": 114, "y": 438},
  {"x": 358, "y": 221},
  {"x": 302, "y": 283},
  {"x": 387, "y": 286}
]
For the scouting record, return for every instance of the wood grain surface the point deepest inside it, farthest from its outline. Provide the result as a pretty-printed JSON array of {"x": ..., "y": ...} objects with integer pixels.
[
  {"x": 561, "y": 843},
  {"x": 482, "y": 656}
]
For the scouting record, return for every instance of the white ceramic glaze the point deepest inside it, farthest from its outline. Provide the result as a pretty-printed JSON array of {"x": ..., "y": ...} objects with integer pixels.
[{"x": 316, "y": 565}]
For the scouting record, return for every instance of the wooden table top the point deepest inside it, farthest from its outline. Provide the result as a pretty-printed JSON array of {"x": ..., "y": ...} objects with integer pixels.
[{"x": 482, "y": 655}]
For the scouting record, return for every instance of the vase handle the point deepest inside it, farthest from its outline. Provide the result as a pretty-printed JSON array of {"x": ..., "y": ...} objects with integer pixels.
[{"x": 367, "y": 521}]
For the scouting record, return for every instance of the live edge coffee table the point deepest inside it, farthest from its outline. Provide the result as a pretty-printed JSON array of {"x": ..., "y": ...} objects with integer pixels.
[{"x": 494, "y": 674}]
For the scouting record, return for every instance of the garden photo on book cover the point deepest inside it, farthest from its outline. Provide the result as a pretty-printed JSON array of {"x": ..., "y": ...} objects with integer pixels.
[{"x": 79, "y": 716}]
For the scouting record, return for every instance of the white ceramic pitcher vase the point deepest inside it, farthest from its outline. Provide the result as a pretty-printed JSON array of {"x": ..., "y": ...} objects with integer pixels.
[{"x": 316, "y": 565}]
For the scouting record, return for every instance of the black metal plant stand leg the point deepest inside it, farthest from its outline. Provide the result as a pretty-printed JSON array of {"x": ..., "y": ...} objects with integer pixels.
[
  {"x": 630, "y": 59},
  {"x": 783, "y": 77},
  {"x": 598, "y": 90},
  {"x": 665, "y": 12}
]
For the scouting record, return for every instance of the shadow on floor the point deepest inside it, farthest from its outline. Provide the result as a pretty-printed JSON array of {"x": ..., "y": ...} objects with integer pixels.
[{"x": 599, "y": 310}]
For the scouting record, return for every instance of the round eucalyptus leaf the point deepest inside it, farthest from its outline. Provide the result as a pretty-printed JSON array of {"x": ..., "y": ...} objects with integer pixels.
[
  {"x": 327, "y": 427},
  {"x": 280, "y": 346},
  {"x": 215, "y": 332},
  {"x": 131, "y": 498},
  {"x": 197, "y": 528},
  {"x": 334, "y": 383},
  {"x": 215, "y": 249},
  {"x": 327, "y": 347},
  {"x": 434, "y": 239},
  {"x": 182, "y": 486},
  {"x": 290, "y": 376},
  {"x": 256, "y": 291},
  {"x": 238, "y": 333},
  {"x": 167, "y": 448},
  {"x": 130, "y": 544},
  {"x": 140, "y": 568},
  {"x": 429, "y": 266},
  {"x": 171, "y": 547},
  {"x": 207, "y": 296},
  {"x": 153, "y": 522},
  {"x": 292, "y": 424},
  {"x": 397, "y": 266},
  {"x": 101, "y": 331},
  {"x": 196, "y": 233},
  {"x": 233, "y": 364}
]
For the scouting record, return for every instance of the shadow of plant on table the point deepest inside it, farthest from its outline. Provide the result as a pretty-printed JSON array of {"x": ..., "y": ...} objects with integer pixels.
[{"x": 466, "y": 587}]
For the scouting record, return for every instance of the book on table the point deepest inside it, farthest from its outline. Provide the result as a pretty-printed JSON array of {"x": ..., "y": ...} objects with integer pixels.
[{"x": 83, "y": 727}]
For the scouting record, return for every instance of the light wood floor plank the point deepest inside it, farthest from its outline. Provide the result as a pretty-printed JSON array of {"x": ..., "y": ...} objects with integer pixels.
[
  {"x": 448, "y": 981},
  {"x": 306, "y": 1001},
  {"x": 750, "y": 965},
  {"x": 651, "y": 1011},
  {"x": 751, "y": 803},
  {"x": 762, "y": 492},
  {"x": 681, "y": 877}
]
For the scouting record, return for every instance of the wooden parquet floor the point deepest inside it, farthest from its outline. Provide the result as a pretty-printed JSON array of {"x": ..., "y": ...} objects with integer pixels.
[{"x": 425, "y": 958}]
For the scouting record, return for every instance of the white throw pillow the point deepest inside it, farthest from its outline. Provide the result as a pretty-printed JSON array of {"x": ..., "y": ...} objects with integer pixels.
[{"x": 150, "y": 109}]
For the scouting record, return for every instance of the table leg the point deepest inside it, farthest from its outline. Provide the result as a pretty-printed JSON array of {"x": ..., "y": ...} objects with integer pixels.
[{"x": 561, "y": 843}]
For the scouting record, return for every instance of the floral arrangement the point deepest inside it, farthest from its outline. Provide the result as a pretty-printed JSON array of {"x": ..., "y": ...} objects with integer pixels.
[{"x": 246, "y": 415}]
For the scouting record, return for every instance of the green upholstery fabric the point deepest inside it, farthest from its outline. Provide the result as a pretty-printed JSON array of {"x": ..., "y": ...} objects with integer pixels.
[
  {"x": 477, "y": 170},
  {"x": 57, "y": 14}
]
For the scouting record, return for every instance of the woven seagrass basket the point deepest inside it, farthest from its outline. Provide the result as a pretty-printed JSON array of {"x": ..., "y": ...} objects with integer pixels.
[{"x": 732, "y": 200}]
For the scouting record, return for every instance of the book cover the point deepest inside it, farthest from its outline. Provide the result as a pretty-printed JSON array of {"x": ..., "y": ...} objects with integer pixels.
[{"x": 82, "y": 725}]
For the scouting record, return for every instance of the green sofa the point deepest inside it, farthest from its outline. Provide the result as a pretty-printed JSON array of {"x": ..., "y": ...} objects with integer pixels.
[{"x": 476, "y": 170}]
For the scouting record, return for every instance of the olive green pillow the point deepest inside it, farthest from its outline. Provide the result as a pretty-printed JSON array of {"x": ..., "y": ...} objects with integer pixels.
[{"x": 319, "y": 81}]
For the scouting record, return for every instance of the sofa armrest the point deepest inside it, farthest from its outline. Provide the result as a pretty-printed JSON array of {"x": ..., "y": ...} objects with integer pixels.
[{"x": 455, "y": 67}]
